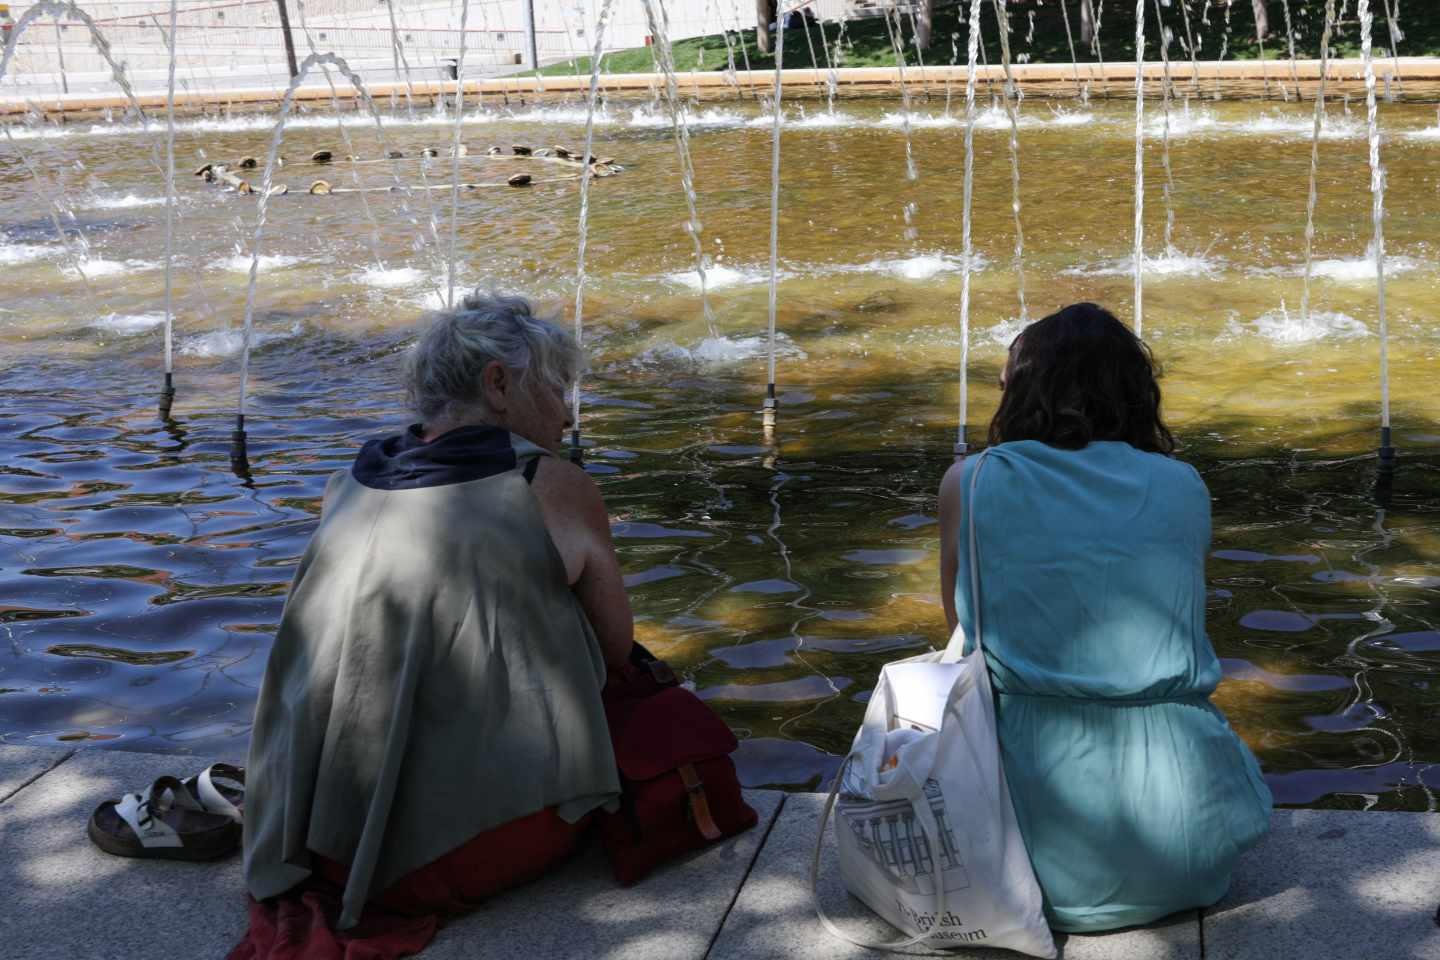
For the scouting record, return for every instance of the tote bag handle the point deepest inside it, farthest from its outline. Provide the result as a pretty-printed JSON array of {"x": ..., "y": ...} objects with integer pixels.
[
  {"x": 929, "y": 829},
  {"x": 975, "y": 553},
  {"x": 924, "y": 816},
  {"x": 952, "y": 652}
]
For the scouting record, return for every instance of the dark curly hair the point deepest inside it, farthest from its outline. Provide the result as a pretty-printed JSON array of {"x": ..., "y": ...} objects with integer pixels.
[{"x": 1081, "y": 375}]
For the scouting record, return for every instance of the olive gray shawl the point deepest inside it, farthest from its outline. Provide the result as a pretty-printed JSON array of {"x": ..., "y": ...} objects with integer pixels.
[{"x": 433, "y": 677}]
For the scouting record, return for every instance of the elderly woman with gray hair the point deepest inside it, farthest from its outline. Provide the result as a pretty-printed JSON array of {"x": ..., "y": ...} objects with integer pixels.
[{"x": 430, "y": 730}]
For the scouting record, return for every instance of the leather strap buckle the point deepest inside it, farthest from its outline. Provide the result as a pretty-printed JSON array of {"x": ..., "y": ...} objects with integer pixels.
[{"x": 699, "y": 803}]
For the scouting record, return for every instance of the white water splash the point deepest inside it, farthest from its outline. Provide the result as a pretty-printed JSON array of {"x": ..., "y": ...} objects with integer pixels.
[
  {"x": 991, "y": 118},
  {"x": 128, "y": 324},
  {"x": 716, "y": 351},
  {"x": 392, "y": 277},
  {"x": 1429, "y": 133},
  {"x": 1004, "y": 332},
  {"x": 1193, "y": 121},
  {"x": 1170, "y": 264},
  {"x": 560, "y": 115},
  {"x": 96, "y": 267},
  {"x": 1361, "y": 269},
  {"x": 1184, "y": 123},
  {"x": 640, "y": 118},
  {"x": 824, "y": 120},
  {"x": 1283, "y": 327},
  {"x": 718, "y": 276},
  {"x": 1070, "y": 118},
  {"x": 1333, "y": 128},
  {"x": 644, "y": 119},
  {"x": 266, "y": 122},
  {"x": 229, "y": 343},
  {"x": 918, "y": 120},
  {"x": 13, "y": 253},
  {"x": 240, "y": 263},
  {"x": 994, "y": 118},
  {"x": 924, "y": 266},
  {"x": 126, "y": 202}
]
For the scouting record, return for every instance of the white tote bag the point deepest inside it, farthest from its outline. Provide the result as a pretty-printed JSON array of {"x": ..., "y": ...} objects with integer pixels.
[{"x": 925, "y": 830}]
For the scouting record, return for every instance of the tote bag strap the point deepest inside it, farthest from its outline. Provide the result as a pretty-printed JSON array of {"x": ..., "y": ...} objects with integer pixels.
[
  {"x": 929, "y": 829},
  {"x": 974, "y": 550},
  {"x": 998, "y": 791}
]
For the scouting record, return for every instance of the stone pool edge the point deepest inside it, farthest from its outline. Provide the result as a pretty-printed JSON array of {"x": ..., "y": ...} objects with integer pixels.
[
  {"x": 1324, "y": 884},
  {"x": 1345, "y": 73}
]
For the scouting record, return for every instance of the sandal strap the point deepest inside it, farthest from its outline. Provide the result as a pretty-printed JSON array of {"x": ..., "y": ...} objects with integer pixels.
[
  {"x": 211, "y": 799},
  {"x": 142, "y": 813}
]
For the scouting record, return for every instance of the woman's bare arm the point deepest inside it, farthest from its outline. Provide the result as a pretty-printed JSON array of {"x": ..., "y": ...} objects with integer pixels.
[
  {"x": 579, "y": 525},
  {"x": 951, "y": 508}
]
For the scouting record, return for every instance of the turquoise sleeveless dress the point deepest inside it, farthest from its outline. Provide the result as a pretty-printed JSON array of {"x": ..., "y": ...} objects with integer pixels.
[{"x": 1133, "y": 794}]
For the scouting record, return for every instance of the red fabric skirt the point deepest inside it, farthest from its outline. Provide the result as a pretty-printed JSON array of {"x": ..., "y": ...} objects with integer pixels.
[{"x": 300, "y": 923}]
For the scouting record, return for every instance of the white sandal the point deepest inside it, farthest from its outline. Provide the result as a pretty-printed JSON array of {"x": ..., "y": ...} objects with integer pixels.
[
  {"x": 222, "y": 799},
  {"x": 164, "y": 822}
]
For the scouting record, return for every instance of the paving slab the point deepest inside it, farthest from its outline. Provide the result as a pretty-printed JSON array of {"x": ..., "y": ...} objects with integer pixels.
[
  {"x": 66, "y": 900},
  {"x": 1176, "y": 937},
  {"x": 21, "y": 765},
  {"x": 774, "y": 916},
  {"x": 1324, "y": 885},
  {"x": 674, "y": 914},
  {"x": 1328, "y": 884}
]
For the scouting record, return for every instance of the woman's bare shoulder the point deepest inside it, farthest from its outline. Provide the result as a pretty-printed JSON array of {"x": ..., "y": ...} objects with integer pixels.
[{"x": 567, "y": 489}]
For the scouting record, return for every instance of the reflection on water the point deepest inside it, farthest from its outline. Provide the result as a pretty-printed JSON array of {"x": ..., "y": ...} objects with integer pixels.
[{"x": 140, "y": 581}]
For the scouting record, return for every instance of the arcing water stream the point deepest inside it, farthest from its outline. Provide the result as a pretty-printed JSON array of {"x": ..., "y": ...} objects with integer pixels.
[
  {"x": 655, "y": 18},
  {"x": 1167, "y": 97},
  {"x": 1313, "y": 195},
  {"x": 1139, "y": 232},
  {"x": 1012, "y": 113}
]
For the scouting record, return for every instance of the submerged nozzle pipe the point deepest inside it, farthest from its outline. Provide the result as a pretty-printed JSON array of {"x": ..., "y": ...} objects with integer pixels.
[
  {"x": 767, "y": 409},
  {"x": 1384, "y": 488},
  {"x": 961, "y": 448},
  {"x": 239, "y": 450},
  {"x": 575, "y": 454},
  {"x": 1385, "y": 472},
  {"x": 1386, "y": 452},
  {"x": 167, "y": 396}
]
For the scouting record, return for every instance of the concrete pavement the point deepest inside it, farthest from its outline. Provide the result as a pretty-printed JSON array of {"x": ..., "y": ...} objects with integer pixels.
[{"x": 1324, "y": 885}]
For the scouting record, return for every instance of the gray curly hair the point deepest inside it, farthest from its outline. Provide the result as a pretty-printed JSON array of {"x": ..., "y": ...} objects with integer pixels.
[{"x": 442, "y": 372}]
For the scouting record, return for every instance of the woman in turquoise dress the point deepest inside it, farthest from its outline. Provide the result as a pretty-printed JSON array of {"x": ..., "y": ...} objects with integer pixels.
[{"x": 1133, "y": 794}]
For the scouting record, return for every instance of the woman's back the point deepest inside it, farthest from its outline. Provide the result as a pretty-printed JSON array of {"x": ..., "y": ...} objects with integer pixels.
[
  {"x": 1133, "y": 793},
  {"x": 433, "y": 676},
  {"x": 1103, "y": 549}
]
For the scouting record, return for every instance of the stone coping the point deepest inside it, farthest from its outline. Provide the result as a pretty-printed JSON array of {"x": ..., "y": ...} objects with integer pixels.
[
  {"x": 1344, "y": 74},
  {"x": 1323, "y": 885}
]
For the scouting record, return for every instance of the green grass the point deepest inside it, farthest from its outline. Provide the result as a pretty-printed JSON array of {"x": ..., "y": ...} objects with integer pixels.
[{"x": 867, "y": 43}]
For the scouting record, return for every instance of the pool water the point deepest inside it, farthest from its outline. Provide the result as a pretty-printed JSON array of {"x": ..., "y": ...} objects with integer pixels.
[{"x": 141, "y": 581}]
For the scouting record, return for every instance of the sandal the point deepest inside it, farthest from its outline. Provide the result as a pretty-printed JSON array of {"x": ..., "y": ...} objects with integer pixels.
[
  {"x": 213, "y": 797},
  {"x": 164, "y": 823}
]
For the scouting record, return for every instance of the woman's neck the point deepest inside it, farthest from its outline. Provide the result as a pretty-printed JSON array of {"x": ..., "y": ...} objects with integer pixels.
[{"x": 435, "y": 429}]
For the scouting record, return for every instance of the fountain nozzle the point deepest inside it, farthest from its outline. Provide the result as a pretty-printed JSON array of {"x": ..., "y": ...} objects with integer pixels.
[
  {"x": 167, "y": 396},
  {"x": 575, "y": 447},
  {"x": 239, "y": 452},
  {"x": 1385, "y": 472},
  {"x": 1386, "y": 452},
  {"x": 961, "y": 448},
  {"x": 767, "y": 409}
]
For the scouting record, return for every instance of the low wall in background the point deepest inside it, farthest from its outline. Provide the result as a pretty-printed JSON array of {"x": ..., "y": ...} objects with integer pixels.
[{"x": 1414, "y": 78}]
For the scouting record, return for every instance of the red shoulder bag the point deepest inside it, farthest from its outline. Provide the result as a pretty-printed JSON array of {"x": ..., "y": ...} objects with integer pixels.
[{"x": 679, "y": 791}]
